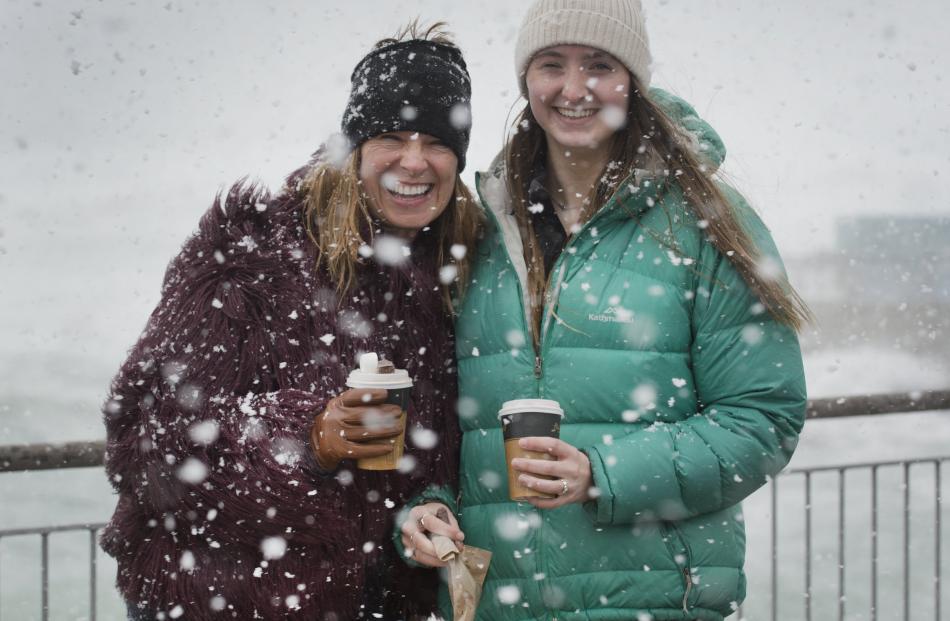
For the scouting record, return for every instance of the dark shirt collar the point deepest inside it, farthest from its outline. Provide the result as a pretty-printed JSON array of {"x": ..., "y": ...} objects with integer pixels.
[
  {"x": 547, "y": 226},
  {"x": 537, "y": 187}
]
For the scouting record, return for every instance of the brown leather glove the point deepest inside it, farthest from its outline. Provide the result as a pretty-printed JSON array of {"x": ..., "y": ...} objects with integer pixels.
[{"x": 350, "y": 423}]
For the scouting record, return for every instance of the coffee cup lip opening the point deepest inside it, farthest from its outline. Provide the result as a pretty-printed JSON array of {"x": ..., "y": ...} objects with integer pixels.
[
  {"x": 541, "y": 406},
  {"x": 397, "y": 379}
]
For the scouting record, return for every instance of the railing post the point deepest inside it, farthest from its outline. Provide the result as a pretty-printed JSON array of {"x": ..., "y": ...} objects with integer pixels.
[
  {"x": 45, "y": 576},
  {"x": 873, "y": 543},
  {"x": 905, "y": 474},
  {"x": 807, "y": 546},
  {"x": 841, "y": 587},
  {"x": 92, "y": 574},
  {"x": 937, "y": 535},
  {"x": 774, "y": 549}
]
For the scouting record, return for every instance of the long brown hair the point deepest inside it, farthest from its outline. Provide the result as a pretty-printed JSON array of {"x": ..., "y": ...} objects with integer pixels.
[
  {"x": 339, "y": 221},
  {"x": 649, "y": 133}
]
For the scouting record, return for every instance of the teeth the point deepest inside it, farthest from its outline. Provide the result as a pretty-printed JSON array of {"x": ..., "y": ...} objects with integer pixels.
[
  {"x": 574, "y": 114},
  {"x": 410, "y": 190}
]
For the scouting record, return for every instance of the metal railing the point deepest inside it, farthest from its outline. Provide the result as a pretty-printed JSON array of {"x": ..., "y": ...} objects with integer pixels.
[
  {"x": 874, "y": 510},
  {"x": 21, "y": 458},
  {"x": 44, "y": 533}
]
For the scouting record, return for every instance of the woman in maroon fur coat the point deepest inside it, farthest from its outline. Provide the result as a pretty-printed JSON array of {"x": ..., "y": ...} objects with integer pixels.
[{"x": 226, "y": 507}]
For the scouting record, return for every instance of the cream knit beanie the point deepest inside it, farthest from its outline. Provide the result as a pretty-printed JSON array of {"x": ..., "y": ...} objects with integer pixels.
[{"x": 615, "y": 26}]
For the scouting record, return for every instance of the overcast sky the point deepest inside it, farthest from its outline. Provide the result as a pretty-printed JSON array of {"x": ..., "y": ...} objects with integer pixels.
[
  {"x": 120, "y": 120},
  {"x": 827, "y": 107}
]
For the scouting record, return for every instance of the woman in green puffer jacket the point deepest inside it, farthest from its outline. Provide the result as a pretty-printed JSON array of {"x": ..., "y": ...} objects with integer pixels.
[{"x": 620, "y": 280}]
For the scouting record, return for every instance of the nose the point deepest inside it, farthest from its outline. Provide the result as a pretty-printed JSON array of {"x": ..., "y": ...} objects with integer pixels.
[
  {"x": 413, "y": 159},
  {"x": 574, "y": 88}
]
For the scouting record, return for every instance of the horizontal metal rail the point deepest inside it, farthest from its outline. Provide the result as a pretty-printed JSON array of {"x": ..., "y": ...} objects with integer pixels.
[
  {"x": 23, "y": 457},
  {"x": 890, "y": 403},
  {"x": 46, "y": 530},
  {"x": 866, "y": 464}
]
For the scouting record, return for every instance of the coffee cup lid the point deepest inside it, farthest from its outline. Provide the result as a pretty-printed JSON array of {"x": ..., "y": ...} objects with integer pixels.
[
  {"x": 542, "y": 406},
  {"x": 368, "y": 375}
]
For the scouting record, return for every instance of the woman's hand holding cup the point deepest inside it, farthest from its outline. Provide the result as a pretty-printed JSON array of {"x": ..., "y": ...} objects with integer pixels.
[
  {"x": 376, "y": 373},
  {"x": 432, "y": 518},
  {"x": 349, "y": 425},
  {"x": 567, "y": 477}
]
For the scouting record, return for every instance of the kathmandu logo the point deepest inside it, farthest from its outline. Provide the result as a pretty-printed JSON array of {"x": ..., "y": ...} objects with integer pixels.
[{"x": 613, "y": 314}]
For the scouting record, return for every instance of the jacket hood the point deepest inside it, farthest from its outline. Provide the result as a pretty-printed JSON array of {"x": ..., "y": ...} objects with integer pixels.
[{"x": 696, "y": 133}]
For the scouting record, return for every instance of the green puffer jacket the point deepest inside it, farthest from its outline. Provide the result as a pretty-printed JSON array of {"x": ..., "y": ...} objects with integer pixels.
[{"x": 684, "y": 394}]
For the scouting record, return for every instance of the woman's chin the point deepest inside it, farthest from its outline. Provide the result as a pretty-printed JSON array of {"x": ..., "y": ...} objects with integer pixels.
[
  {"x": 413, "y": 221},
  {"x": 586, "y": 140}
]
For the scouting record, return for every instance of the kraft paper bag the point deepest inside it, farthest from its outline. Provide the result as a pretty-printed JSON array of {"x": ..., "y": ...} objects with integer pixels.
[{"x": 466, "y": 573}]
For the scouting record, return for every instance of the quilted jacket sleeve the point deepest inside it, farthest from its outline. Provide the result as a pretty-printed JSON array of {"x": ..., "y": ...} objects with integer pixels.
[{"x": 750, "y": 385}]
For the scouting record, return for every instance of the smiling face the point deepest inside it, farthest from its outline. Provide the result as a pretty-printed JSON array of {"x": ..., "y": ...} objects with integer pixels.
[
  {"x": 408, "y": 178},
  {"x": 578, "y": 95}
]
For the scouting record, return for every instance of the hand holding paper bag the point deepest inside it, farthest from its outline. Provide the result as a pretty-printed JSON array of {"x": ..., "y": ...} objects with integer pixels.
[{"x": 466, "y": 572}]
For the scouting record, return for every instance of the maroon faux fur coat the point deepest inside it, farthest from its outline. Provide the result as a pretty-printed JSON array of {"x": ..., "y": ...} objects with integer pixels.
[{"x": 208, "y": 426}]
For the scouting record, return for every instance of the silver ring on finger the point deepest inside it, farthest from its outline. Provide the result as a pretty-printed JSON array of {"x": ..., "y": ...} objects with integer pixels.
[
  {"x": 422, "y": 521},
  {"x": 564, "y": 487}
]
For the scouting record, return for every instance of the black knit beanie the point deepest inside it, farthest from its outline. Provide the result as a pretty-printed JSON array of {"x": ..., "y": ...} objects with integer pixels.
[{"x": 419, "y": 86}]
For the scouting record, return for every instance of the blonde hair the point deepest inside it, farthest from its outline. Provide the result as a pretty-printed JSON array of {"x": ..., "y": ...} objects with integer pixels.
[{"x": 339, "y": 221}]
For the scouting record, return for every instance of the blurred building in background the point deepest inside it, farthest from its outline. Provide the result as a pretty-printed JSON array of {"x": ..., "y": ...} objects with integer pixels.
[{"x": 886, "y": 283}]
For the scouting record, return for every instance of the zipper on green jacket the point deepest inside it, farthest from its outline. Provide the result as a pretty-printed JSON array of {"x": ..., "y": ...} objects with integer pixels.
[
  {"x": 547, "y": 311},
  {"x": 673, "y": 531},
  {"x": 688, "y": 576}
]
